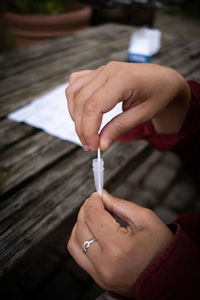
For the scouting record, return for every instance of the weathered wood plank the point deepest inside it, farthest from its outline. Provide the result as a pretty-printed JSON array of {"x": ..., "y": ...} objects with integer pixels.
[
  {"x": 56, "y": 65},
  {"x": 29, "y": 157},
  {"x": 19, "y": 98},
  {"x": 80, "y": 47},
  {"x": 61, "y": 65},
  {"x": 38, "y": 61},
  {"x": 181, "y": 58},
  {"x": 172, "y": 54},
  {"x": 105, "y": 31},
  {"x": 11, "y": 132},
  {"x": 189, "y": 67},
  {"x": 23, "y": 59},
  {"x": 14, "y": 100},
  {"x": 56, "y": 195},
  {"x": 96, "y": 33},
  {"x": 25, "y": 95},
  {"x": 25, "y": 56},
  {"x": 178, "y": 48}
]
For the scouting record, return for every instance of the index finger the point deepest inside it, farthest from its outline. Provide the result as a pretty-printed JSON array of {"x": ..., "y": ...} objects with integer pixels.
[
  {"x": 99, "y": 221},
  {"x": 76, "y": 75},
  {"x": 102, "y": 101}
]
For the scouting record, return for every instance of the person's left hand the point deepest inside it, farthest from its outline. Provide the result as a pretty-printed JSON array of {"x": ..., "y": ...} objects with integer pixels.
[{"x": 118, "y": 255}]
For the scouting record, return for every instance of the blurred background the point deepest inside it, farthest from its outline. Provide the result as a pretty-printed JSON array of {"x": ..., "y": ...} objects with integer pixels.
[{"x": 178, "y": 16}]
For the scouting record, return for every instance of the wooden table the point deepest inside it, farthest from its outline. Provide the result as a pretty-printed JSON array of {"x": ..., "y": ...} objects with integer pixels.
[{"x": 44, "y": 180}]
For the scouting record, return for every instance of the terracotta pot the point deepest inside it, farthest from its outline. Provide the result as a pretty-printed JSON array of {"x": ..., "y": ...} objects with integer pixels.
[{"x": 29, "y": 29}]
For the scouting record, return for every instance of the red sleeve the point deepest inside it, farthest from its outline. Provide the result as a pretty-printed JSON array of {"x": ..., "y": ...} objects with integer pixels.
[
  {"x": 186, "y": 144},
  {"x": 176, "y": 273}
]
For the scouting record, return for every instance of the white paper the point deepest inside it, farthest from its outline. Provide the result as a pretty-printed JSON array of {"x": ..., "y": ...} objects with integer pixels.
[{"x": 50, "y": 113}]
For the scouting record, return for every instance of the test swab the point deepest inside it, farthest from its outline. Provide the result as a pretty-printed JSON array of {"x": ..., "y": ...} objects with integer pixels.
[{"x": 98, "y": 169}]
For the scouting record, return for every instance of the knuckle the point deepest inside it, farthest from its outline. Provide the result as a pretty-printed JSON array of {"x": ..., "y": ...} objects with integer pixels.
[
  {"x": 69, "y": 91},
  {"x": 112, "y": 64},
  {"x": 117, "y": 248},
  {"x": 119, "y": 127},
  {"x": 148, "y": 214},
  {"x": 72, "y": 77},
  {"x": 101, "y": 68},
  {"x": 107, "y": 267},
  {"x": 81, "y": 96},
  {"x": 117, "y": 252},
  {"x": 108, "y": 277},
  {"x": 91, "y": 106},
  {"x": 78, "y": 101},
  {"x": 125, "y": 251}
]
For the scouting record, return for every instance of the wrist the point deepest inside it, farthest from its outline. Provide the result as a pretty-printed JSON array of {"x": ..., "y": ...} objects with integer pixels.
[{"x": 171, "y": 118}]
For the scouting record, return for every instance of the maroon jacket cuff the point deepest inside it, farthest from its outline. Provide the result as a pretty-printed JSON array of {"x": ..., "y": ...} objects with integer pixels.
[{"x": 175, "y": 274}]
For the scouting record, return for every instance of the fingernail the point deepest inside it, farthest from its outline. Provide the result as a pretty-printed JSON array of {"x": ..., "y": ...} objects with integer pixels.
[
  {"x": 105, "y": 144},
  {"x": 86, "y": 148}
]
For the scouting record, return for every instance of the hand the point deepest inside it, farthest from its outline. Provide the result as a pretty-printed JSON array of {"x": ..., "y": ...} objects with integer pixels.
[
  {"x": 119, "y": 255},
  {"x": 148, "y": 92}
]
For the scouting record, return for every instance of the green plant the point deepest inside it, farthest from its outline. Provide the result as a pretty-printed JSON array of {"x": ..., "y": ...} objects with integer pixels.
[{"x": 38, "y": 7}]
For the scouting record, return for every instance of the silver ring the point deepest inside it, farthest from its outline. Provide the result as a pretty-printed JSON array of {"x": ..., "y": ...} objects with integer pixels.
[{"x": 87, "y": 244}]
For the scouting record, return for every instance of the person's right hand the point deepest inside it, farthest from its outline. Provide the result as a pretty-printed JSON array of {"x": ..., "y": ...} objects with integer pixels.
[{"x": 148, "y": 92}]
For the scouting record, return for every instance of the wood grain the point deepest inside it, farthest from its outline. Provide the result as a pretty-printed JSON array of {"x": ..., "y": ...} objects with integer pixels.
[
  {"x": 35, "y": 210},
  {"x": 44, "y": 180},
  {"x": 29, "y": 157}
]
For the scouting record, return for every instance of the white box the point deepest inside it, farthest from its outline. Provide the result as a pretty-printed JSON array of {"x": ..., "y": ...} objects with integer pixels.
[{"x": 144, "y": 44}]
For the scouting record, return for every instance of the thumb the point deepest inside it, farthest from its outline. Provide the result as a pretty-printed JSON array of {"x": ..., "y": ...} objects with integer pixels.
[
  {"x": 125, "y": 210},
  {"x": 125, "y": 121},
  {"x": 120, "y": 125}
]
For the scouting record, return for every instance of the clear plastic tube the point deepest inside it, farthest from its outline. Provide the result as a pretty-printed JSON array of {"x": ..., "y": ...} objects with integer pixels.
[{"x": 98, "y": 169}]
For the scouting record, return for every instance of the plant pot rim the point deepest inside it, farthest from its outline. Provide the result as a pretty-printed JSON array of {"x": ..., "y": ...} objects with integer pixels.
[
  {"x": 29, "y": 18},
  {"x": 28, "y": 28}
]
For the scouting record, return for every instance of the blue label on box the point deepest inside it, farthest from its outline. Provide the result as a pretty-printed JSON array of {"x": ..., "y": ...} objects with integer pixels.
[{"x": 138, "y": 58}]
